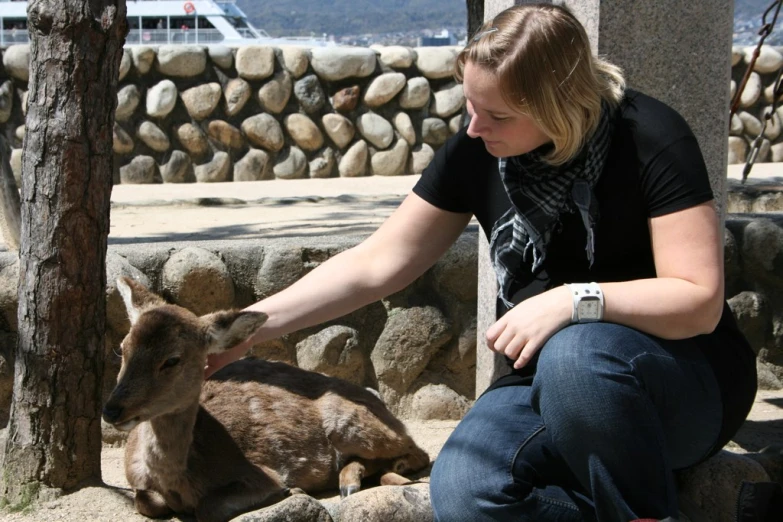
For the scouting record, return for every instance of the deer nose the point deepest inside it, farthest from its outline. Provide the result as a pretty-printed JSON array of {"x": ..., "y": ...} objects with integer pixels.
[{"x": 112, "y": 413}]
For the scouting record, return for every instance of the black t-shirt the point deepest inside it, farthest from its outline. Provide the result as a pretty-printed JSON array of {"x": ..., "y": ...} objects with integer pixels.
[{"x": 654, "y": 167}]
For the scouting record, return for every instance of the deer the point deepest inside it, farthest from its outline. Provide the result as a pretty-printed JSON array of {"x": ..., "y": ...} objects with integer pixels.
[{"x": 254, "y": 433}]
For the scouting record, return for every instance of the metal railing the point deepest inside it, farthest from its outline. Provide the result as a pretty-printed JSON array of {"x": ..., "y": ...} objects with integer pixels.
[{"x": 173, "y": 36}]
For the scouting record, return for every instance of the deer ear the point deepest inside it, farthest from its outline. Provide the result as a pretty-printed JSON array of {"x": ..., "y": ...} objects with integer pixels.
[
  {"x": 229, "y": 328},
  {"x": 137, "y": 297}
]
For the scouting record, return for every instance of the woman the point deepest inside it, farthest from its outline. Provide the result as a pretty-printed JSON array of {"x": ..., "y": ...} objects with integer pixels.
[{"x": 627, "y": 363}]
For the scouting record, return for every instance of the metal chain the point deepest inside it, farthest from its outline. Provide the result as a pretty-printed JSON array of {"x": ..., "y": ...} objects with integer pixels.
[{"x": 766, "y": 30}]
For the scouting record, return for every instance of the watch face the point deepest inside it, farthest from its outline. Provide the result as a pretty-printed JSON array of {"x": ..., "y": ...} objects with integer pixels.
[{"x": 589, "y": 308}]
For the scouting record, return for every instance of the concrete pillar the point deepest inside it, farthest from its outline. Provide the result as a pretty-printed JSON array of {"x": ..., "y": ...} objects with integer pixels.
[{"x": 678, "y": 52}]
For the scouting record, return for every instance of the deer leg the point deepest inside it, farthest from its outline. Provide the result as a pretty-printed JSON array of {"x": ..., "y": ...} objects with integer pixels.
[
  {"x": 391, "y": 478},
  {"x": 151, "y": 504}
]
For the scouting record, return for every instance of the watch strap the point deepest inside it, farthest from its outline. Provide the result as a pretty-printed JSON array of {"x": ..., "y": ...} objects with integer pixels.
[{"x": 579, "y": 291}]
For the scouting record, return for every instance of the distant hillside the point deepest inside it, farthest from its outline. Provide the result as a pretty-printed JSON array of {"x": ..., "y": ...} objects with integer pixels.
[{"x": 344, "y": 17}]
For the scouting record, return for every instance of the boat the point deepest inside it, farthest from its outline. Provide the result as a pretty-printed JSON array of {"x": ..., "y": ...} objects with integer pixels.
[{"x": 161, "y": 22}]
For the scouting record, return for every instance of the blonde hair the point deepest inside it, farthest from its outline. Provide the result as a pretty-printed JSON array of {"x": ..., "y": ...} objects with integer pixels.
[{"x": 541, "y": 57}]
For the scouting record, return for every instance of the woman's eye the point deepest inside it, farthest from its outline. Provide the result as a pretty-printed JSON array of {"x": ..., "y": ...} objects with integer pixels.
[{"x": 172, "y": 361}]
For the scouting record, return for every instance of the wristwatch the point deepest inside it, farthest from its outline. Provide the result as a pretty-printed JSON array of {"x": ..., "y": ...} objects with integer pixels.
[{"x": 588, "y": 302}]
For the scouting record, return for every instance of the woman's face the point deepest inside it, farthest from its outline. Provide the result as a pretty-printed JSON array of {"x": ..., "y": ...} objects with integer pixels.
[{"x": 505, "y": 131}]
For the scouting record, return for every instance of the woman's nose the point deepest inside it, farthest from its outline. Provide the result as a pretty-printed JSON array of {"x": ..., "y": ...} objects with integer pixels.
[{"x": 475, "y": 127}]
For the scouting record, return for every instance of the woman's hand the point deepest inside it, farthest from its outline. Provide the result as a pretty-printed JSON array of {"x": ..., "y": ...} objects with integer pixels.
[
  {"x": 216, "y": 361},
  {"x": 525, "y": 328}
]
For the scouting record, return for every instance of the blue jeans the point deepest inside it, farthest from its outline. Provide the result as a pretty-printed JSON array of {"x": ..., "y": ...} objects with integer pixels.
[{"x": 611, "y": 414}]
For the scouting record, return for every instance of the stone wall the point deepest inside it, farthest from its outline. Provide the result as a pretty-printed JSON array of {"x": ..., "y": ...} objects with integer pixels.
[
  {"x": 416, "y": 347},
  {"x": 188, "y": 113}
]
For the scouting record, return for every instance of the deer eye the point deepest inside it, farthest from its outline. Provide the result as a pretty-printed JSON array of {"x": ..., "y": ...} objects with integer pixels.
[{"x": 170, "y": 362}]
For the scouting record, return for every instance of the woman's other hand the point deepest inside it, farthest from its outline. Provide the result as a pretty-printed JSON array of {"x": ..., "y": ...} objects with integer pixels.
[{"x": 524, "y": 329}]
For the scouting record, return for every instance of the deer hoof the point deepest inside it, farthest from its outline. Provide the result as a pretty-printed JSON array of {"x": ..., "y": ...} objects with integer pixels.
[
  {"x": 348, "y": 490},
  {"x": 296, "y": 491}
]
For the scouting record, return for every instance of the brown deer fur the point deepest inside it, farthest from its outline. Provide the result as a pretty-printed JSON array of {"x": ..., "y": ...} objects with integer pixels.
[{"x": 249, "y": 435}]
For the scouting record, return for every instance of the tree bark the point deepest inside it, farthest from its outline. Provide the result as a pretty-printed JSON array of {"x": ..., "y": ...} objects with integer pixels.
[
  {"x": 475, "y": 16},
  {"x": 54, "y": 434}
]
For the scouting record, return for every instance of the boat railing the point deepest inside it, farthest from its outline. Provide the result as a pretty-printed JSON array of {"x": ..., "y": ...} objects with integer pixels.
[
  {"x": 173, "y": 36},
  {"x": 13, "y": 36}
]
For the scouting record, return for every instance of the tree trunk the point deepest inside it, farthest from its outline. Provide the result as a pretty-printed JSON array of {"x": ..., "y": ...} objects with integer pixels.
[
  {"x": 475, "y": 16},
  {"x": 54, "y": 434}
]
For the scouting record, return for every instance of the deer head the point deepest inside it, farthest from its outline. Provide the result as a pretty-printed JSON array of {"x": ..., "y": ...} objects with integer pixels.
[{"x": 164, "y": 354}]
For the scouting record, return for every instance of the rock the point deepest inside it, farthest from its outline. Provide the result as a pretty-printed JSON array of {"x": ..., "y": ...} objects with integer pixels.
[
  {"x": 455, "y": 124},
  {"x": 128, "y": 99},
  {"x": 161, "y": 99},
  {"x": 751, "y": 92},
  {"x": 254, "y": 166},
  {"x": 390, "y": 162},
  {"x": 192, "y": 139},
  {"x": 769, "y": 93},
  {"x": 345, "y": 100},
  {"x": 761, "y": 251},
  {"x": 397, "y": 57},
  {"x": 420, "y": 158},
  {"x": 438, "y": 402},
  {"x": 738, "y": 150},
  {"x": 447, "y": 101},
  {"x": 255, "y": 62},
  {"x": 753, "y": 317},
  {"x": 215, "y": 170},
  {"x": 455, "y": 273},
  {"x": 337, "y": 63},
  {"x": 184, "y": 61},
  {"x": 333, "y": 351},
  {"x": 201, "y": 100},
  {"x": 736, "y": 55},
  {"x": 768, "y": 61},
  {"x": 274, "y": 94},
  {"x": 410, "y": 503},
  {"x": 436, "y": 62},
  {"x": 123, "y": 143},
  {"x": 322, "y": 165},
  {"x": 309, "y": 93},
  {"x": 23, "y": 95},
  {"x": 375, "y": 129},
  {"x": 221, "y": 55},
  {"x": 737, "y": 127},
  {"x": 776, "y": 153},
  {"x": 291, "y": 164},
  {"x": 143, "y": 57},
  {"x": 264, "y": 131},
  {"x": 434, "y": 131},
  {"x": 20, "y": 132},
  {"x": 772, "y": 130},
  {"x": 767, "y": 380},
  {"x": 713, "y": 486},
  {"x": 237, "y": 93},
  {"x": 6, "y": 100},
  {"x": 140, "y": 170},
  {"x": 402, "y": 122},
  {"x": 409, "y": 339},
  {"x": 415, "y": 94},
  {"x": 16, "y": 61},
  {"x": 16, "y": 165},
  {"x": 153, "y": 136},
  {"x": 280, "y": 268},
  {"x": 226, "y": 134},
  {"x": 295, "y": 59},
  {"x": 296, "y": 508},
  {"x": 354, "y": 161},
  {"x": 178, "y": 169},
  {"x": 750, "y": 123},
  {"x": 125, "y": 64},
  {"x": 383, "y": 88},
  {"x": 303, "y": 131},
  {"x": 339, "y": 129},
  {"x": 197, "y": 280}
]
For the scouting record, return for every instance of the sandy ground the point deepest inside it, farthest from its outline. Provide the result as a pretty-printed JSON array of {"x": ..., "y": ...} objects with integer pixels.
[{"x": 113, "y": 502}]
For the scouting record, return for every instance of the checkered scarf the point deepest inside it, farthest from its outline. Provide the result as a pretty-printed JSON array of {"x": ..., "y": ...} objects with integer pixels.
[{"x": 539, "y": 194}]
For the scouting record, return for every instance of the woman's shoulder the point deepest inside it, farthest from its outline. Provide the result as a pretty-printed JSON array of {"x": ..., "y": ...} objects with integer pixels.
[{"x": 649, "y": 116}]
